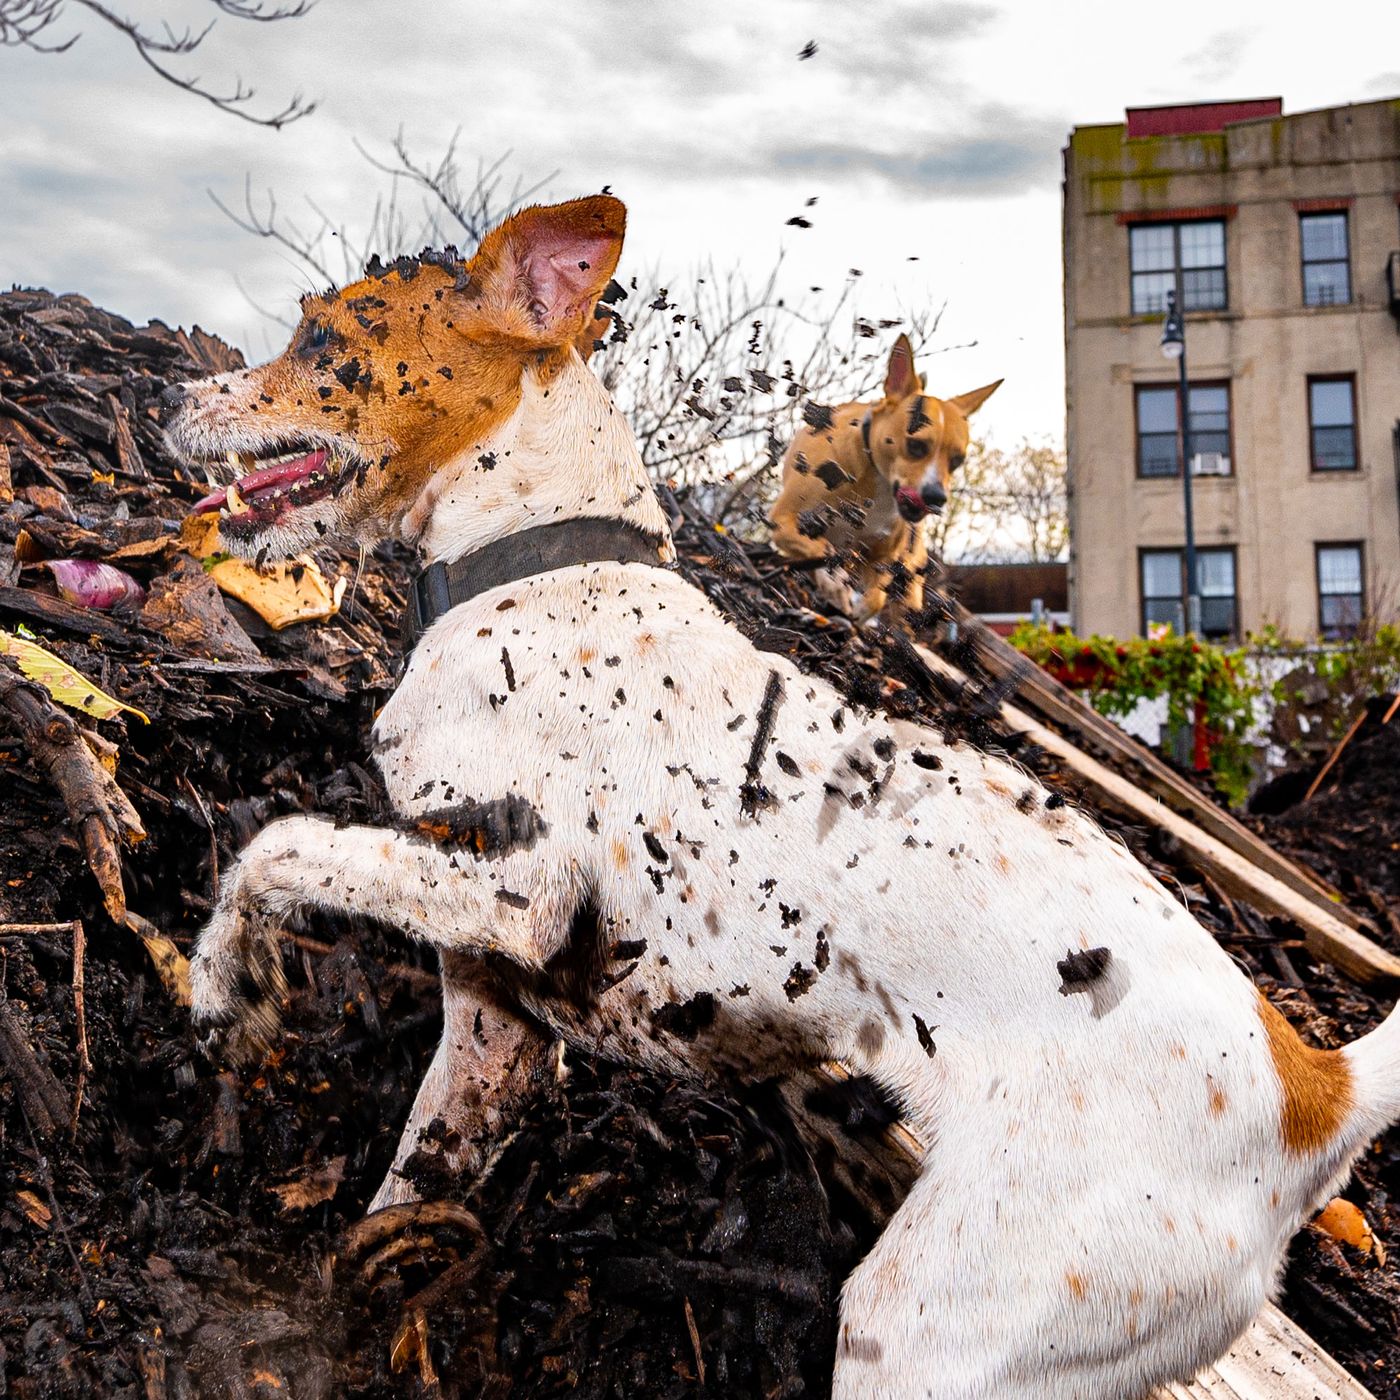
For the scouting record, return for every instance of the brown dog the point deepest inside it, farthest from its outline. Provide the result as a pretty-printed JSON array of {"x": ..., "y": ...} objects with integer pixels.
[{"x": 859, "y": 481}]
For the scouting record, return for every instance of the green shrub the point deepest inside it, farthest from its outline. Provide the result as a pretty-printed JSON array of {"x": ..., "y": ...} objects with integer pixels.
[{"x": 1117, "y": 674}]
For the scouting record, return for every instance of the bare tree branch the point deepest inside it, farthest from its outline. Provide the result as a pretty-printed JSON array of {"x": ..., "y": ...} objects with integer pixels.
[
  {"x": 1006, "y": 506},
  {"x": 23, "y": 22}
]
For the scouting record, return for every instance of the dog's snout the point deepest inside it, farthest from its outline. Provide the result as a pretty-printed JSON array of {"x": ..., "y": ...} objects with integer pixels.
[
  {"x": 169, "y": 400},
  {"x": 933, "y": 495}
]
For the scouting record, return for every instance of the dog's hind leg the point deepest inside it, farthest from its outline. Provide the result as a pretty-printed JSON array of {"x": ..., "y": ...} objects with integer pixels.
[{"x": 488, "y": 1062}]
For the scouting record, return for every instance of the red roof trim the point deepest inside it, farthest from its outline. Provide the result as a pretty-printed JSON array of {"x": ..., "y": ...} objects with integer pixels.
[
  {"x": 1195, "y": 118},
  {"x": 1325, "y": 206},
  {"x": 1173, "y": 216}
]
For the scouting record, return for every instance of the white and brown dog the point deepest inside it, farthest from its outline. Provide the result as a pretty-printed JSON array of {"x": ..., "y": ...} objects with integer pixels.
[
  {"x": 621, "y": 822},
  {"x": 860, "y": 481}
]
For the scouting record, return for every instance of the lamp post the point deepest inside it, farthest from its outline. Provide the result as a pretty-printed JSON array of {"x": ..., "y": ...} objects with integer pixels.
[{"x": 1174, "y": 348}]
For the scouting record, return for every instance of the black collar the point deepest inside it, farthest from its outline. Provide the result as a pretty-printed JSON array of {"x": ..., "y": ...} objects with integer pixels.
[{"x": 440, "y": 587}]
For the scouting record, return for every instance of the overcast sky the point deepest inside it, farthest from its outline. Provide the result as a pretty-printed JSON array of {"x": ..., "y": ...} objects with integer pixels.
[{"x": 929, "y": 133}]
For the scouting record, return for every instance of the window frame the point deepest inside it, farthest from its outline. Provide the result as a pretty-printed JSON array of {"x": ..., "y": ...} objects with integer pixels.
[
  {"x": 1175, "y": 387},
  {"x": 1350, "y": 380},
  {"x": 1180, "y": 551},
  {"x": 1360, "y": 547},
  {"x": 1177, "y": 270},
  {"x": 1304, "y": 262}
]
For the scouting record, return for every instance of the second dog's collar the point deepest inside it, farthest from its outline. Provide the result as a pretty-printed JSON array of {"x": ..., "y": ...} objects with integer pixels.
[{"x": 440, "y": 587}]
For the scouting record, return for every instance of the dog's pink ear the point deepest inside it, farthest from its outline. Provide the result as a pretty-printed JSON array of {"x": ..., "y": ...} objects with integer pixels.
[
  {"x": 540, "y": 274},
  {"x": 967, "y": 404},
  {"x": 900, "y": 378}
]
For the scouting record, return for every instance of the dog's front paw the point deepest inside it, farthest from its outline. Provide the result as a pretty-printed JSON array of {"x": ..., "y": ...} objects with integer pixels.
[{"x": 237, "y": 989}]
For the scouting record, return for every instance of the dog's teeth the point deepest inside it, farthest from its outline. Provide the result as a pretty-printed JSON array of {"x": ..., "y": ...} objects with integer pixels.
[{"x": 233, "y": 502}]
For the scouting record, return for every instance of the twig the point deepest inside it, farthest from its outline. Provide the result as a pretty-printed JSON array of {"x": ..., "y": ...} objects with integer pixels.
[
  {"x": 98, "y": 809},
  {"x": 213, "y": 839},
  {"x": 1336, "y": 754},
  {"x": 694, "y": 1340},
  {"x": 80, "y": 1014},
  {"x": 41, "y": 1096}
]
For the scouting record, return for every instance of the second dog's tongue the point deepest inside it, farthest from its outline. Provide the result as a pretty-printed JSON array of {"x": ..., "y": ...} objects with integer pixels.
[
  {"x": 279, "y": 474},
  {"x": 911, "y": 498}
]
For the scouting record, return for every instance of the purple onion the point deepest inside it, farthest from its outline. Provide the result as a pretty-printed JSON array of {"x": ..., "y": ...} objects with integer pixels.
[{"x": 92, "y": 585}]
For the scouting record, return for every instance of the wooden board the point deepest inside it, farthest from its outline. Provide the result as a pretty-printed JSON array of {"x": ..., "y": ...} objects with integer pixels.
[{"x": 1273, "y": 1360}]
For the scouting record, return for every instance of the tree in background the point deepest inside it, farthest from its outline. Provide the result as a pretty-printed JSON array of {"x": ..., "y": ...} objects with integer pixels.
[
  {"x": 37, "y": 25},
  {"x": 1006, "y": 507}
]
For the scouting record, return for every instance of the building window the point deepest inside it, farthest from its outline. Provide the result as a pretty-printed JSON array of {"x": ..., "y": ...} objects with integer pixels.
[
  {"x": 1208, "y": 418},
  {"x": 1164, "y": 590},
  {"x": 1326, "y": 259},
  {"x": 1341, "y": 592},
  {"x": 1160, "y": 253},
  {"x": 1332, "y": 422}
]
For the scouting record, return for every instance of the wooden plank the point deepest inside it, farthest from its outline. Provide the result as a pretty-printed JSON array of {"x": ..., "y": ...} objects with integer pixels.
[
  {"x": 1326, "y": 936},
  {"x": 1041, "y": 692},
  {"x": 1274, "y": 1359}
]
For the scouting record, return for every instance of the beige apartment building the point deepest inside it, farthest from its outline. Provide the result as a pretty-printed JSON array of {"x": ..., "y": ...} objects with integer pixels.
[{"x": 1279, "y": 234}]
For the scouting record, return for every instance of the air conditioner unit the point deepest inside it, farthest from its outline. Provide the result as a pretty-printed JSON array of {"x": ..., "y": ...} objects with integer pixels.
[{"x": 1210, "y": 464}]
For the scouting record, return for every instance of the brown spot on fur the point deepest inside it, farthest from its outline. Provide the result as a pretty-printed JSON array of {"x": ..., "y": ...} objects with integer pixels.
[
  {"x": 1217, "y": 1098},
  {"x": 1177, "y": 1052},
  {"x": 860, "y": 1348},
  {"x": 621, "y": 856},
  {"x": 1077, "y": 1287},
  {"x": 1169, "y": 1225},
  {"x": 870, "y": 1036},
  {"x": 1135, "y": 1298},
  {"x": 1003, "y": 864},
  {"x": 1316, "y": 1085}
]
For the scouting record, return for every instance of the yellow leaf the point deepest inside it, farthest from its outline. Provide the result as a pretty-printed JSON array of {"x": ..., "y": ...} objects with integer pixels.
[
  {"x": 67, "y": 686},
  {"x": 104, "y": 478}
]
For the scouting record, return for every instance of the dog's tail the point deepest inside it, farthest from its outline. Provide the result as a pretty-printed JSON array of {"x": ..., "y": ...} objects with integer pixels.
[{"x": 1374, "y": 1063}]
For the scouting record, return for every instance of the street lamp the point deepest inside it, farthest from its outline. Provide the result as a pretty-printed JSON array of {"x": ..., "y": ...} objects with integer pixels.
[{"x": 1174, "y": 348}]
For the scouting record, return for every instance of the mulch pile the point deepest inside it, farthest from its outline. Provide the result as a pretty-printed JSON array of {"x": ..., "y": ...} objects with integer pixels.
[
  {"x": 168, "y": 1229},
  {"x": 1349, "y": 831}
]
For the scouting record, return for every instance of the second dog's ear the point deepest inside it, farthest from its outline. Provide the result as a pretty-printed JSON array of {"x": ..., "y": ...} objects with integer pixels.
[
  {"x": 900, "y": 378},
  {"x": 967, "y": 404},
  {"x": 540, "y": 274}
]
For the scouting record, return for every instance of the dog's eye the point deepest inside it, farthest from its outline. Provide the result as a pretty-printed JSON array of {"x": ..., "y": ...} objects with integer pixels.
[
  {"x": 955, "y": 461},
  {"x": 916, "y": 449},
  {"x": 316, "y": 336}
]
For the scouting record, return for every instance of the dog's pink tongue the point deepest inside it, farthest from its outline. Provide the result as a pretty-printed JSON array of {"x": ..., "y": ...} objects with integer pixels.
[
  {"x": 912, "y": 499},
  {"x": 264, "y": 478}
]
